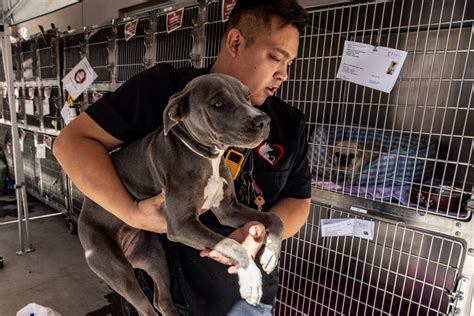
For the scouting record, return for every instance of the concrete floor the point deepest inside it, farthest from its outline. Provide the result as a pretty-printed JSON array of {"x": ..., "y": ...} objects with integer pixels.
[{"x": 55, "y": 274}]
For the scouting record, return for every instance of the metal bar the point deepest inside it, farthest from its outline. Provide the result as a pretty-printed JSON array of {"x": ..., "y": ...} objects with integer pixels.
[{"x": 22, "y": 205}]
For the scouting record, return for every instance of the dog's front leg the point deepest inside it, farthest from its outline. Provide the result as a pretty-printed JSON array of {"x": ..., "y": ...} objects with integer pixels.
[
  {"x": 189, "y": 231},
  {"x": 235, "y": 214}
]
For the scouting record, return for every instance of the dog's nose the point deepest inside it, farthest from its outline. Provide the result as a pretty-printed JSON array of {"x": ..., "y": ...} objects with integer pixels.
[{"x": 261, "y": 121}]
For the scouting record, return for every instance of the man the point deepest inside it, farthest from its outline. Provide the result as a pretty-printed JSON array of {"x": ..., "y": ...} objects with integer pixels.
[{"x": 259, "y": 45}]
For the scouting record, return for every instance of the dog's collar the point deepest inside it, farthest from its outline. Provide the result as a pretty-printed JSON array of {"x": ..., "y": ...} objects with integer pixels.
[{"x": 203, "y": 151}]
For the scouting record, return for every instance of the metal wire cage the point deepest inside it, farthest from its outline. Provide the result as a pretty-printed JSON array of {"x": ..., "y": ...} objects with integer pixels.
[
  {"x": 31, "y": 106},
  {"x": 28, "y": 59},
  {"x": 50, "y": 101},
  {"x": 49, "y": 58},
  {"x": 214, "y": 29},
  {"x": 131, "y": 53},
  {"x": 97, "y": 47},
  {"x": 403, "y": 271},
  {"x": 28, "y": 152},
  {"x": 417, "y": 137},
  {"x": 175, "y": 47},
  {"x": 16, "y": 62},
  {"x": 53, "y": 185},
  {"x": 73, "y": 51}
]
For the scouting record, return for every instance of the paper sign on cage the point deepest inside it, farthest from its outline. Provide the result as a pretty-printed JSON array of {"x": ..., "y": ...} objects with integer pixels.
[
  {"x": 96, "y": 96},
  {"x": 79, "y": 78},
  {"x": 374, "y": 67},
  {"x": 227, "y": 6},
  {"x": 130, "y": 29},
  {"x": 29, "y": 107},
  {"x": 333, "y": 227},
  {"x": 41, "y": 151},
  {"x": 47, "y": 141},
  {"x": 174, "y": 20}
]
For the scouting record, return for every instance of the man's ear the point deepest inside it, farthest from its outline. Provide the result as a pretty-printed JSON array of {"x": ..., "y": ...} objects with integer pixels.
[
  {"x": 234, "y": 41},
  {"x": 176, "y": 110}
]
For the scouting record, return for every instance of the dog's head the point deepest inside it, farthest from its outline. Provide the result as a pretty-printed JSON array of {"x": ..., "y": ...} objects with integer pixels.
[
  {"x": 216, "y": 111},
  {"x": 347, "y": 154}
]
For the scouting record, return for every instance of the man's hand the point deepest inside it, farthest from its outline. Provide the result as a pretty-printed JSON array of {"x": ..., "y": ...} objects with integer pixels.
[
  {"x": 251, "y": 236},
  {"x": 149, "y": 215}
]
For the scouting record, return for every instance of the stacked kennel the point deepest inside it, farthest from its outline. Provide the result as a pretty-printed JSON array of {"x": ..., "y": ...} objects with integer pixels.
[
  {"x": 418, "y": 191},
  {"x": 419, "y": 136},
  {"x": 417, "y": 187},
  {"x": 38, "y": 101}
]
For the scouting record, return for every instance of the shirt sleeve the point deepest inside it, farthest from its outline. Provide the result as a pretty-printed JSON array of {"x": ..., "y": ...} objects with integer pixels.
[
  {"x": 136, "y": 108},
  {"x": 298, "y": 184}
]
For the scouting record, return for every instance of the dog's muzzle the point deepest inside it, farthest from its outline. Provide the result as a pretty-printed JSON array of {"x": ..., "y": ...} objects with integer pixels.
[{"x": 261, "y": 124}]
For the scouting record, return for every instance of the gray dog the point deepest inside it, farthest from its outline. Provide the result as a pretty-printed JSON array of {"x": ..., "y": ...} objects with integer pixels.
[{"x": 184, "y": 158}]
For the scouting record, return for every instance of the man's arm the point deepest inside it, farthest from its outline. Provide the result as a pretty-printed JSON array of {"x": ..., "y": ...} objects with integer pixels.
[
  {"x": 293, "y": 213},
  {"x": 82, "y": 148}
]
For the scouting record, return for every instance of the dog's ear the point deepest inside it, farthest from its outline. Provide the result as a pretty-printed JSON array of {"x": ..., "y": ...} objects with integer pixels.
[{"x": 176, "y": 110}]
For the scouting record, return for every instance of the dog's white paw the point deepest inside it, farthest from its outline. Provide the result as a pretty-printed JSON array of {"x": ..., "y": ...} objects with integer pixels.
[
  {"x": 250, "y": 282},
  {"x": 271, "y": 254},
  {"x": 269, "y": 260}
]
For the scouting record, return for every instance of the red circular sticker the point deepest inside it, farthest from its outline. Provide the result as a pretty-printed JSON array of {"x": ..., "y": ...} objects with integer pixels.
[{"x": 80, "y": 76}]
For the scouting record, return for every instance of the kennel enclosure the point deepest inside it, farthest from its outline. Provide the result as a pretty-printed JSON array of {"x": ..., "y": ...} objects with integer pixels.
[{"x": 416, "y": 187}]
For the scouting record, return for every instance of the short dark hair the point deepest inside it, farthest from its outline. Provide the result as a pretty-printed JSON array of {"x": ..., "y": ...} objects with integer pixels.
[{"x": 260, "y": 12}]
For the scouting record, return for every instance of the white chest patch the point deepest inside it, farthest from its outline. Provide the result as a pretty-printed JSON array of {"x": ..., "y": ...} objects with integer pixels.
[{"x": 214, "y": 190}]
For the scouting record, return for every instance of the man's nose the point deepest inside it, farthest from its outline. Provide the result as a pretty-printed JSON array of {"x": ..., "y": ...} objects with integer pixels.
[{"x": 282, "y": 73}]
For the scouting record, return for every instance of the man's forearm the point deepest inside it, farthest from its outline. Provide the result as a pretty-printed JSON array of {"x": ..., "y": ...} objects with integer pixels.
[
  {"x": 89, "y": 166},
  {"x": 293, "y": 213}
]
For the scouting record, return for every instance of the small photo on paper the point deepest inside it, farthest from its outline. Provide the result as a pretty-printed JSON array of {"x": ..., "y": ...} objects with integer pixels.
[{"x": 392, "y": 67}]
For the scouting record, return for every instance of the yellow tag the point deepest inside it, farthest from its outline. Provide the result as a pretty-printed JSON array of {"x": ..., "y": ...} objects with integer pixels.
[
  {"x": 55, "y": 124},
  {"x": 234, "y": 160},
  {"x": 70, "y": 100}
]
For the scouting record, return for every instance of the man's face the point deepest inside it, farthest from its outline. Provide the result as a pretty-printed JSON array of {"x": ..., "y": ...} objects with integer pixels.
[{"x": 264, "y": 65}]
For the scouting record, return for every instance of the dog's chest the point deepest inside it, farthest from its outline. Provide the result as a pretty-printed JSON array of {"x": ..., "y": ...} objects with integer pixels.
[{"x": 214, "y": 190}]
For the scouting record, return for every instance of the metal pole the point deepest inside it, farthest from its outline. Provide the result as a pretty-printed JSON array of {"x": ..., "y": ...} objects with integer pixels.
[{"x": 22, "y": 202}]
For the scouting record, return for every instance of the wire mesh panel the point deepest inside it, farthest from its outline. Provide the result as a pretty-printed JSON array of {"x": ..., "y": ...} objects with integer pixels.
[
  {"x": 16, "y": 62},
  {"x": 411, "y": 147},
  {"x": 52, "y": 183},
  {"x": 73, "y": 50},
  {"x": 98, "y": 53},
  {"x": 214, "y": 29},
  {"x": 174, "y": 47},
  {"x": 49, "y": 55},
  {"x": 402, "y": 271},
  {"x": 31, "y": 104},
  {"x": 51, "y": 107},
  {"x": 28, "y": 59},
  {"x": 130, "y": 53},
  {"x": 28, "y": 154}
]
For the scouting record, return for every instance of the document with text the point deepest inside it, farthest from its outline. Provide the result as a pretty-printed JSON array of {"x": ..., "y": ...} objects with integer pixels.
[{"x": 375, "y": 67}]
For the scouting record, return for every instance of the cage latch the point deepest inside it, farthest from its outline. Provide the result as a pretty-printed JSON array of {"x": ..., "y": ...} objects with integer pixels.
[{"x": 458, "y": 296}]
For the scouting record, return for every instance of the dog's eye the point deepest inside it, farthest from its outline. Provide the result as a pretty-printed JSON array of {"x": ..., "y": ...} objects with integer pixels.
[
  {"x": 248, "y": 98},
  {"x": 218, "y": 104},
  {"x": 351, "y": 156},
  {"x": 336, "y": 154}
]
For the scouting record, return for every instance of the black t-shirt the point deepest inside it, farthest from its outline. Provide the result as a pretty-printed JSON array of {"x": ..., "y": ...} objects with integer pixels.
[{"x": 280, "y": 169}]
